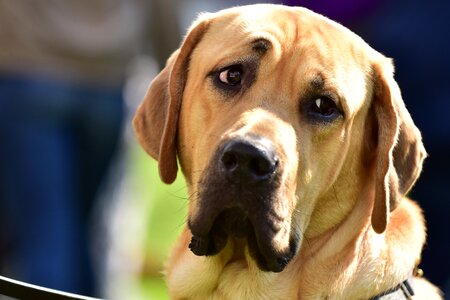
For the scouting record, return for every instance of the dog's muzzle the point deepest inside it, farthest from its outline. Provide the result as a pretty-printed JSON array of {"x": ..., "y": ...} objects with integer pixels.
[{"x": 238, "y": 197}]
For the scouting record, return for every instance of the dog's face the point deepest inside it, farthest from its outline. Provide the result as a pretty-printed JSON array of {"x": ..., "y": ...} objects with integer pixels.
[
  {"x": 280, "y": 119},
  {"x": 265, "y": 126}
]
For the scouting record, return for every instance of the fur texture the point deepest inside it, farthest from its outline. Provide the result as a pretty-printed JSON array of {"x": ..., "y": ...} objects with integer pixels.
[{"x": 335, "y": 214}]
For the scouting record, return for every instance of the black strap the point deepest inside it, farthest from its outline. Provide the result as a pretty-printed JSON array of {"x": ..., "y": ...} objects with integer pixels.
[
  {"x": 401, "y": 292},
  {"x": 25, "y": 291}
]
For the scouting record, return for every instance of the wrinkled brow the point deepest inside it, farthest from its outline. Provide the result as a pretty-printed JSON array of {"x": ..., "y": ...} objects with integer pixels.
[
  {"x": 318, "y": 82},
  {"x": 261, "y": 45}
]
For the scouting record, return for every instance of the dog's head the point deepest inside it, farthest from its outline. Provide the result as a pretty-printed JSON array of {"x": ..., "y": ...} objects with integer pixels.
[{"x": 281, "y": 120}]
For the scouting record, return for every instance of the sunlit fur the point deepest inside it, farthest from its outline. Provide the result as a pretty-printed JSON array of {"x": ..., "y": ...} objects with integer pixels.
[{"x": 342, "y": 184}]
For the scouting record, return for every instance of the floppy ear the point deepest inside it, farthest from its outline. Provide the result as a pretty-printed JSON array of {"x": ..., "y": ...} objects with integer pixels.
[
  {"x": 400, "y": 152},
  {"x": 156, "y": 119}
]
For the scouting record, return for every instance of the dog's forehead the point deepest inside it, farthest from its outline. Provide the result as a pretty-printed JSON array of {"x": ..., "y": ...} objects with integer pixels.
[
  {"x": 338, "y": 54},
  {"x": 288, "y": 26}
]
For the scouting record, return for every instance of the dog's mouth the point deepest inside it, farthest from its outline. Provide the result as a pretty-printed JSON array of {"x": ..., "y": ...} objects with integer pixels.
[
  {"x": 241, "y": 196},
  {"x": 268, "y": 245}
]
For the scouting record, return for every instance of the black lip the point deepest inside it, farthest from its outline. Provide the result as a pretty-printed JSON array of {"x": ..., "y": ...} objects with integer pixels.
[
  {"x": 276, "y": 263},
  {"x": 267, "y": 258},
  {"x": 234, "y": 223},
  {"x": 207, "y": 246},
  {"x": 231, "y": 222}
]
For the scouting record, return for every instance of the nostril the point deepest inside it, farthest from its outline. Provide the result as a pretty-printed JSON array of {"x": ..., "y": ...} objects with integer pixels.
[
  {"x": 229, "y": 160},
  {"x": 261, "y": 166}
]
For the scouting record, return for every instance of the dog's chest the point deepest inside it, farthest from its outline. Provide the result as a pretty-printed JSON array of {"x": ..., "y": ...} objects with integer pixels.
[
  {"x": 241, "y": 281},
  {"x": 236, "y": 280}
]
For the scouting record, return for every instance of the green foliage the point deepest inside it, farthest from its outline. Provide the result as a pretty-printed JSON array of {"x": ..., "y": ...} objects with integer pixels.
[{"x": 164, "y": 210}]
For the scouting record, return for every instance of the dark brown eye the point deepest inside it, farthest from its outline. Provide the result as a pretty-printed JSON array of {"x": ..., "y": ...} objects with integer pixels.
[
  {"x": 322, "y": 109},
  {"x": 231, "y": 76},
  {"x": 325, "y": 106}
]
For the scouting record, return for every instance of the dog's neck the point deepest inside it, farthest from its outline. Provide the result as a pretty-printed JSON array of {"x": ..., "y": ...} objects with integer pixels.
[{"x": 369, "y": 263}]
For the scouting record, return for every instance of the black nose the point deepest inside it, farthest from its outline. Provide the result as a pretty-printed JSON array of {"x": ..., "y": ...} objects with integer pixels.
[{"x": 249, "y": 160}]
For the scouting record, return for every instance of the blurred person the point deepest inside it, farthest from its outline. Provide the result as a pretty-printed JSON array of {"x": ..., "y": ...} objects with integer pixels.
[
  {"x": 415, "y": 34},
  {"x": 62, "y": 71}
]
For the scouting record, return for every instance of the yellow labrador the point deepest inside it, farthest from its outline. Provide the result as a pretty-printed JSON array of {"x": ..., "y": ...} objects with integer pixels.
[{"x": 297, "y": 151}]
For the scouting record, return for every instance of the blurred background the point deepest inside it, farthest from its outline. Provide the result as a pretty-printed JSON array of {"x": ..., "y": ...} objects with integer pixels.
[{"x": 81, "y": 205}]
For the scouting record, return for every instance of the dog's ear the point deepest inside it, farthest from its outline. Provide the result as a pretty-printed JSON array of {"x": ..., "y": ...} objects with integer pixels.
[
  {"x": 399, "y": 149},
  {"x": 156, "y": 119}
]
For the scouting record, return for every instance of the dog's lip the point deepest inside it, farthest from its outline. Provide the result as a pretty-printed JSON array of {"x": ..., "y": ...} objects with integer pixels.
[
  {"x": 267, "y": 262},
  {"x": 264, "y": 250},
  {"x": 260, "y": 242},
  {"x": 209, "y": 237}
]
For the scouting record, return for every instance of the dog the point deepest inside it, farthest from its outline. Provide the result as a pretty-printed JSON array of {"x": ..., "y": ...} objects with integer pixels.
[{"x": 297, "y": 151}]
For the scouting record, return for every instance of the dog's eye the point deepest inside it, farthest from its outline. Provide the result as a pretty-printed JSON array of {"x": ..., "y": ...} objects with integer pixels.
[
  {"x": 325, "y": 106},
  {"x": 322, "y": 109},
  {"x": 231, "y": 76}
]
